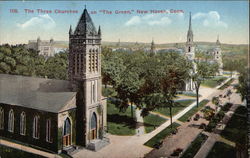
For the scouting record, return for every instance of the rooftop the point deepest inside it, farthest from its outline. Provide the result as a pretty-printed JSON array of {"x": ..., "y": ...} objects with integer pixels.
[{"x": 37, "y": 93}]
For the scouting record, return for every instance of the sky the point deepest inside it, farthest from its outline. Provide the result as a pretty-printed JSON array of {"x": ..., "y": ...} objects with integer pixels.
[{"x": 228, "y": 19}]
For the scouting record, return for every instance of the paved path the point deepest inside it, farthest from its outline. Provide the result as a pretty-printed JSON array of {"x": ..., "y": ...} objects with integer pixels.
[{"x": 28, "y": 149}]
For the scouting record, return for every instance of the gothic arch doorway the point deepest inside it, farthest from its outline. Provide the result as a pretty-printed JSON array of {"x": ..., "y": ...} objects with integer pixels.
[
  {"x": 93, "y": 127},
  {"x": 67, "y": 132}
]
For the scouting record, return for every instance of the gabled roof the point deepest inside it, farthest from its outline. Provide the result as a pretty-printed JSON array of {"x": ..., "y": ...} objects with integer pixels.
[
  {"x": 85, "y": 25},
  {"x": 37, "y": 93}
]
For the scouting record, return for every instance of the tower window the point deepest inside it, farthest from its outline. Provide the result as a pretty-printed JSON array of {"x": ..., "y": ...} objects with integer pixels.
[{"x": 189, "y": 49}]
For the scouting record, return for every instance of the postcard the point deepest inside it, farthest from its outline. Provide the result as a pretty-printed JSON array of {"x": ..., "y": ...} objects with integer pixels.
[{"x": 124, "y": 79}]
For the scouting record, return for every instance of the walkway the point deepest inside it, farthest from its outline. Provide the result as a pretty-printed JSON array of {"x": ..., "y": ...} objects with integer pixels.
[{"x": 28, "y": 149}]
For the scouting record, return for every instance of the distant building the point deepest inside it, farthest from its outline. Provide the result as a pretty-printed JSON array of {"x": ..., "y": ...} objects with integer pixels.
[
  {"x": 217, "y": 55},
  {"x": 45, "y": 48}
]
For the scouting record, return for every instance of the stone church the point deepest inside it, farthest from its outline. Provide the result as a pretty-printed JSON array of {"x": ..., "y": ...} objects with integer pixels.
[{"x": 59, "y": 115}]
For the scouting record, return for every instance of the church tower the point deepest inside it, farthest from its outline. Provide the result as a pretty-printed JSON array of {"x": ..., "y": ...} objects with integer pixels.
[
  {"x": 218, "y": 55},
  {"x": 190, "y": 49},
  {"x": 190, "y": 54},
  {"x": 84, "y": 74}
]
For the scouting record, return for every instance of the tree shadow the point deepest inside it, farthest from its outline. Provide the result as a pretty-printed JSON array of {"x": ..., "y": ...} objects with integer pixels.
[{"x": 122, "y": 119}]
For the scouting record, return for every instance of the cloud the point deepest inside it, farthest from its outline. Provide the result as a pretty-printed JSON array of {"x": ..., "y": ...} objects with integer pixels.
[
  {"x": 133, "y": 21},
  {"x": 161, "y": 21},
  {"x": 41, "y": 21},
  {"x": 210, "y": 19},
  {"x": 149, "y": 19}
]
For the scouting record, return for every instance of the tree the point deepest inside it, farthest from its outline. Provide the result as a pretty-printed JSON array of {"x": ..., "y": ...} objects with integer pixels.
[
  {"x": 243, "y": 86},
  {"x": 127, "y": 90},
  {"x": 198, "y": 77},
  {"x": 112, "y": 67}
]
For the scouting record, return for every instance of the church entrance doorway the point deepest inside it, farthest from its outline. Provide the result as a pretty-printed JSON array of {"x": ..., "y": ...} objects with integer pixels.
[
  {"x": 67, "y": 133},
  {"x": 93, "y": 127}
]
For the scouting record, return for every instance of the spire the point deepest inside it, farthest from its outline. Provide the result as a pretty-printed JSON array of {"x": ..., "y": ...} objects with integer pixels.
[
  {"x": 99, "y": 31},
  {"x": 190, "y": 32},
  {"x": 85, "y": 25},
  {"x": 218, "y": 41},
  {"x": 190, "y": 22},
  {"x": 70, "y": 30}
]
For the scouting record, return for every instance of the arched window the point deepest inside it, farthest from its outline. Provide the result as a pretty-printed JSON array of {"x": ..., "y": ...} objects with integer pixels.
[
  {"x": 36, "y": 127},
  {"x": 189, "y": 49},
  {"x": 93, "y": 121},
  {"x": 11, "y": 121},
  {"x": 48, "y": 130},
  {"x": 1, "y": 118},
  {"x": 67, "y": 127},
  {"x": 23, "y": 123}
]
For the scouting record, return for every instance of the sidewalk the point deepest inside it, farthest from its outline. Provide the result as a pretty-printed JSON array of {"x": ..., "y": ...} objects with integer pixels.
[{"x": 28, "y": 149}]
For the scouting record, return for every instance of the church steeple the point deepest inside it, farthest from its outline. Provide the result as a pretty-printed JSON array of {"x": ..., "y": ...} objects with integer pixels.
[
  {"x": 85, "y": 25},
  {"x": 99, "y": 31},
  {"x": 218, "y": 41},
  {"x": 190, "y": 22},
  {"x": 70, "y": 30},
  {"x": 190, "y": 32}
]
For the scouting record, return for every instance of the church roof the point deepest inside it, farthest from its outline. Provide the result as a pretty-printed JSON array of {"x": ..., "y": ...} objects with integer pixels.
[
  {"x": 85, "y": 25},
  {"x": 37, "y": 93}
]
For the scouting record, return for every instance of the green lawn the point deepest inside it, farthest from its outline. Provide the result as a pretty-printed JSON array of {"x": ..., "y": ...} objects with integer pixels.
[
  {"x": 120, "y": 123},
  {"x": 213, "y": 82},
  {"x": 222, "y": 150},
  {"x": 160, "y": 136},
  {"x": 152, "y": 121},
  {"x": 192, "y": 111},
  {"x": 8, "y": 152},
  {"x": 236, "y": 128},
  {"x": 175, "y": 110},
  {"x": 226, "y": 84},
  {"x": 194, "y": 147}
]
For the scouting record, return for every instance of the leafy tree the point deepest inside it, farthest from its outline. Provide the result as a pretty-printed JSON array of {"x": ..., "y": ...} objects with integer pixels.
[
  {"x": 112, "y": 67},
  {"x": 243, "y": 86},
  {"x": 198, "y": 77}
]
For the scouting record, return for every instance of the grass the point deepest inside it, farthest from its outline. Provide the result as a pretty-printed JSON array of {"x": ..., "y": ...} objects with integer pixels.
[
  {"x": 176, "y": 109},
  {"x": 236, "y": 129},
  {"x": 226, "y": 84},
  {"x": 194, "y": 147},
  {"x": 222, "y": 150},
  {"x": 152, "y": 121},
  {"x": 13, "y": 153},
  {"x": 120, "y": 123},
  {"x": 160, "y": 136},
  {"x": 213, "y": 82},
  {"x": 192, "y": 111}
]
